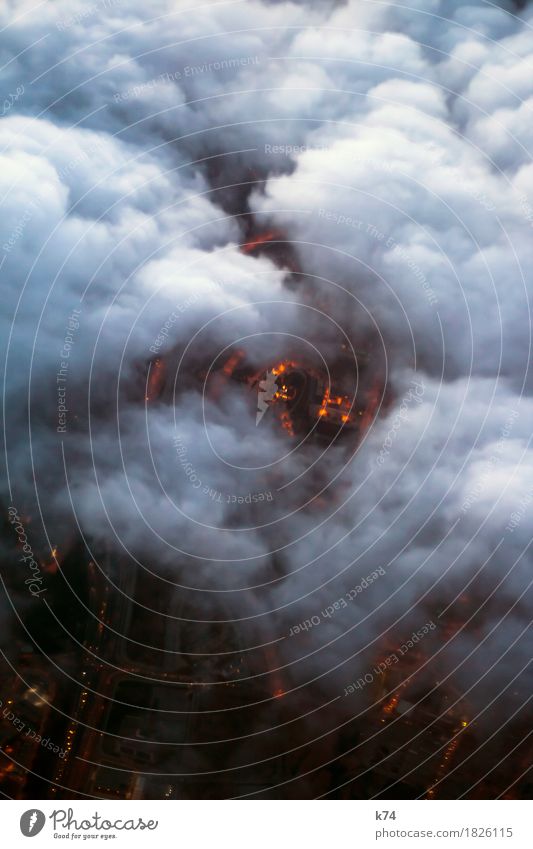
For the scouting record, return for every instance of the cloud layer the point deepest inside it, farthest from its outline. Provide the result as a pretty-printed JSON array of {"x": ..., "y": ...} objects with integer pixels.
[{"x": 391, "y": 147}]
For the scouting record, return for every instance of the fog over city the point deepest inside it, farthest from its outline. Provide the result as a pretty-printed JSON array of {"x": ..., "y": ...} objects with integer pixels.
[{"x": 198, "y": 201}]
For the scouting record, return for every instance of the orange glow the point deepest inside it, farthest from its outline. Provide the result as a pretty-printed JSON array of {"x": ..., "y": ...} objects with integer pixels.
[
  {"x": 283, "y": 366},
  {"x": 278, "y": 694},
  {"x": 285, "y": 394},
  {"x": 444, "y": 765},
  {"x": 52, "y": 566},
  {"x": 155, "y": 379},
  {"x": 324, "y": 406},
  {"x": 286, "y": 423},
  {"x": 261, "y": 239},
  {"x": 389, "y": 707},
  {"x": 233, "y": 362},
  {"x": 345, "y": 418}
]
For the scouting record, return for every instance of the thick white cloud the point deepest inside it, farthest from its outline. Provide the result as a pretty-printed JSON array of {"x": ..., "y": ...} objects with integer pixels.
[{"x": 391, "y": 145}]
